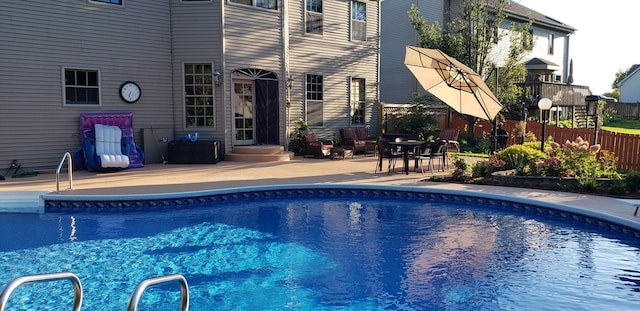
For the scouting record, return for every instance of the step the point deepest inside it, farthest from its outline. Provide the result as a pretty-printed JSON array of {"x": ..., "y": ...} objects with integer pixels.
[
  {"x": 258, "y": 149},
  {"x": 249, "y": 157},
  {"x": 21, "y": 201}
]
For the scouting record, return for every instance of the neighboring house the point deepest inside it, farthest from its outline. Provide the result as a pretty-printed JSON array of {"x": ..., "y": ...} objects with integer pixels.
[
  {"x": 630, "y": 86},
  {"x": 238, "y": 71},
  {"x": 547, "y": 62}
]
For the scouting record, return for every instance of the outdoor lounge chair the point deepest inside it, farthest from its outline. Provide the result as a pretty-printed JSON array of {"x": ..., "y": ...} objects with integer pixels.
[
  {"x": 106, "y": 149},
  {"x": 107, "y": 142}
]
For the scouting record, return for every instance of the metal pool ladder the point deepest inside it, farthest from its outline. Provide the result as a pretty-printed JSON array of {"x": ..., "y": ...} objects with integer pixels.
[
  {"x": 142, "y": 286},
  {"x": 28, "y": 279},
  {"x": 66, "y": 156}
]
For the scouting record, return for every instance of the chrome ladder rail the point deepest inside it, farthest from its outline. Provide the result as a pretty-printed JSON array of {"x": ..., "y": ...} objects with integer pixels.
[
  {"x": 66, "y": 156},
  {"x": 142, "y": 286},
  {"x": 27, "y": 279}
]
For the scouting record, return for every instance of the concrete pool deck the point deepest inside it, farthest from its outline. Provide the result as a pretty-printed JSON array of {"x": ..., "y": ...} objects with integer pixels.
[{"x": 171, "y": 178}]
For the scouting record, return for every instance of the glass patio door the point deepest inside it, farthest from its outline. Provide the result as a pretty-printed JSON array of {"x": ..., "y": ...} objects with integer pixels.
[{"x": 243, "y": 107}]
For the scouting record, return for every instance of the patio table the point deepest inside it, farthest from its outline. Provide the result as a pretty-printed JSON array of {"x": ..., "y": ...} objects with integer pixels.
[{"x": 406, "y": 146}]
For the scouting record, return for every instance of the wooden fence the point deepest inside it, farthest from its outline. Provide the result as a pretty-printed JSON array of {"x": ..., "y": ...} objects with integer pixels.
[
  {"x": 625, "y": 110},
  {"x": 625, "y": 147}
]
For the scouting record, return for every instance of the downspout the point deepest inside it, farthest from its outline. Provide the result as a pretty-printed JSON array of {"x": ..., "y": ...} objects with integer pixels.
[
  {"x": 173, "y": 73},
  {"x": 565, "y": 59},
  {"x": 378, "y": 106},
  {"x": 284, "y": 77},
  {"x": 228, "y": 134}
]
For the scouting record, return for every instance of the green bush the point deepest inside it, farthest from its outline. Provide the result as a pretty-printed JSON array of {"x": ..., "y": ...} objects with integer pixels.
[
  {"x": 520, "y": 157},
  {"x": 632, "y": 180},
  {"x": 484, "y": 168}
]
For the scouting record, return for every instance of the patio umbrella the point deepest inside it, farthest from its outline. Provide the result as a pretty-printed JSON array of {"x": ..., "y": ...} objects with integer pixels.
[{"x": 451, "y": 81}]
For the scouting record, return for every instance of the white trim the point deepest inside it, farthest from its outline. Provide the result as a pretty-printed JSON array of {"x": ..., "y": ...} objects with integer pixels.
[{"x": 64, "y": 91}]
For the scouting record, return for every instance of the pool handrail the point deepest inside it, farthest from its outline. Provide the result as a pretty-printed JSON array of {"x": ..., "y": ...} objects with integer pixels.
[
  {"x": 134, "y": 300},
  {"x": 68, "y": 157},
  {"x": 28, "y": 279}
]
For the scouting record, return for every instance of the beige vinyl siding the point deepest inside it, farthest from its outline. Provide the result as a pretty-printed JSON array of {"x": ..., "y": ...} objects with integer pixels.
[
  {"x": 197, "y": 38},
  {"x": 396, "y": 82},
  {"x": 253, "y": 39},
  {"x": 41, "y": 37},
  {"x": 338, "y": 59}
]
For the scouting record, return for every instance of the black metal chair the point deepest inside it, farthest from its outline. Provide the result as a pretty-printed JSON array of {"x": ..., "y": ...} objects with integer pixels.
[
  {"x": 434, "y": 150},
  {"x": 389, "y": 152}
]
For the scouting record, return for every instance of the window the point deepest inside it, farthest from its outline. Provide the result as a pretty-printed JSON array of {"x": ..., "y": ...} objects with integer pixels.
[
  {"x": 358, "y": 20},
  {"x": 357, "y": 102},
  {"x": 527, "y": 39},
  {"x": 81, "y": 87},
  {"x": 551, "y": 39},
  {"x": 109, "y": 1},
  {"x": 265, "y": 4},
  {"x": 314, "y": 100},
  {"x": 198, "y": 95},
  {"x": 314, "y": 16}
]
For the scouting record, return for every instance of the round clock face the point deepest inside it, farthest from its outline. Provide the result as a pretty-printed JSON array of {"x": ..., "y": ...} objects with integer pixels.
[{"x": 130, "y": 92}]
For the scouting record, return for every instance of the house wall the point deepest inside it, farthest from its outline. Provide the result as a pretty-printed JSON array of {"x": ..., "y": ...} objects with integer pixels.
[
  {"x": 630, "y": 89},
  {"x": 197, "y": 38},
  {"x": 338, "y": 59},
  {"x": 40, "y": 37},
  {"x": 396, "y": 81}
]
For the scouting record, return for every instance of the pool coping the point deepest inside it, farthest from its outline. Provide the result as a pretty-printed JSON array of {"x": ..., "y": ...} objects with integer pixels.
[{"x": 68, "y": 203}]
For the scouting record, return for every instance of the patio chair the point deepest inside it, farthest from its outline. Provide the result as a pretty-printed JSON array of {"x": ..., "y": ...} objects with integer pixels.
[
  {"x": 452, "y": 136},
  {"x": 432, "y": 151},
  {"x": 389, "y": 152},
  {"x": 315, "y": 147}
]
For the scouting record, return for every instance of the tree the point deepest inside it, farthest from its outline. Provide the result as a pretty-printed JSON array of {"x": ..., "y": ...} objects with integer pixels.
[
  {"x": 471, "y": 37},
  {"x": 620, "y": 75}
]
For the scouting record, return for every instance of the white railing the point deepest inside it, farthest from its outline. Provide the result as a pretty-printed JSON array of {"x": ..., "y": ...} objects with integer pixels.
[{"x": 66, "y": 156}]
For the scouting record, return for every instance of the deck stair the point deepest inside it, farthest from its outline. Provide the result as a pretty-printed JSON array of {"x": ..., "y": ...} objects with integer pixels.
[{"x": 259, "y": 153}]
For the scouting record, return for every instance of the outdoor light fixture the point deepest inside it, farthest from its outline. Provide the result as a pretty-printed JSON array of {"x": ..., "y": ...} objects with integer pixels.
[
  {"x": 593, "y": 110},
  {"x": 290, "y": 82},
  {"x": 217, "y": 76},
  {"x": 544, "y": 105}
]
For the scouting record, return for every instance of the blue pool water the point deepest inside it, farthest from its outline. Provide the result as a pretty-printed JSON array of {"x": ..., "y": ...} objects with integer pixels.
[{"x": 349, "y": 253}]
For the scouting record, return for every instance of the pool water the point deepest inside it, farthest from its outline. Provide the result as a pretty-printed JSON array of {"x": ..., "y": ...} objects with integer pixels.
[{"x": 321, "y": 254}]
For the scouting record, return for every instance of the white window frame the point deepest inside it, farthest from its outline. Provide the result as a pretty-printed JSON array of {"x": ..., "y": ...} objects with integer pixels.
[
  {"x": 254, "y": 4},
  {"x": 120, "y": 2},
  {"x": 354, "y": 20},
  {"x": 314, "y": 97},
  {"x": 357, "y": 101},
  {"x": 311, "y": 13},
  {"x": 97, "y": 87},
  {"x": 195, "y": 1},
  {"x": 207, "y": 80}
]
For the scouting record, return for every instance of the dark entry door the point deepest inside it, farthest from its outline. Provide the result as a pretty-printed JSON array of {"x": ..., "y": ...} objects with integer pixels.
[{"x": 267, "y": 112}]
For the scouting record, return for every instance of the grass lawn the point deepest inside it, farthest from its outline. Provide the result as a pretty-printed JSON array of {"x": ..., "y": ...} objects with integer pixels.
[{"x": 625, "y": 126}]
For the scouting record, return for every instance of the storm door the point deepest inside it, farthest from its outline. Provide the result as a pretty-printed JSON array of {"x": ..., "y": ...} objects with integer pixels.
[
  {"x": 267, "y": 112},
  {"x": 243, "y": 107}
]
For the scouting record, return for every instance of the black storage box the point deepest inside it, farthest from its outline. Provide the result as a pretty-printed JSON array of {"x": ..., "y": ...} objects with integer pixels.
[{"x": 199, "y": 152}]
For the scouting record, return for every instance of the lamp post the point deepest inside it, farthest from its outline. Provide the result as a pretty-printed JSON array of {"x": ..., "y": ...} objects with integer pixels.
[
  {"x": 594, "y": 111},
  {"x": 544, "y": 105}
]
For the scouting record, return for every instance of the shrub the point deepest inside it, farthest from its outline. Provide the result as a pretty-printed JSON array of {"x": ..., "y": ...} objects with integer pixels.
[
  {"x": 580, "y": 160},
  {"x": 632, "y": 180},
  {"x": 618, "y": 187},
  {"x": 484, "y": 168},
  {"x": 461, "y": 171},
  {"x": 519, "y": 157}
]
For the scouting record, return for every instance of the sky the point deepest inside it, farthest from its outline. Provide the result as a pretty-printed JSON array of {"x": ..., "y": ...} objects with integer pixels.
[{"x": 605, "y": 40}]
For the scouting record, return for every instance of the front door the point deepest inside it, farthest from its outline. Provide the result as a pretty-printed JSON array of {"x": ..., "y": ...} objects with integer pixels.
[{"x": 243, "y": 108}]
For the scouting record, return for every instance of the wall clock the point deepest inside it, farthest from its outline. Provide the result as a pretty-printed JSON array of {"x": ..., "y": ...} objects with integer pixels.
[{"x": 130, "y": 92}]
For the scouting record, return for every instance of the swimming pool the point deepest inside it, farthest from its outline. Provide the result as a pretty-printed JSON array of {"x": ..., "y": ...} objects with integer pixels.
[{"x": 322, "y": 247}]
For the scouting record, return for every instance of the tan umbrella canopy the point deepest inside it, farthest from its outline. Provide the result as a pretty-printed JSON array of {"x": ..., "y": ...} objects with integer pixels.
[{"x": 451, "y": 81}]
